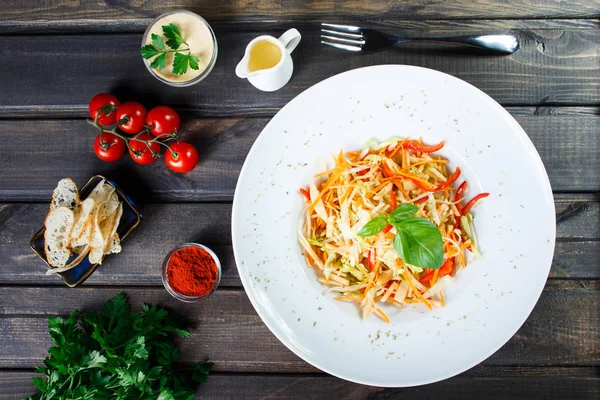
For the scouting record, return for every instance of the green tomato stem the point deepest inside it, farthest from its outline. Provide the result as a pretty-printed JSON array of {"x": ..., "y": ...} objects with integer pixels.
[{"x": 115, "y": 131}]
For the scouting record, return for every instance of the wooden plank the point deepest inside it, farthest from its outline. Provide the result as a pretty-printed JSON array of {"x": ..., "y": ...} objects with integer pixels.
[
  {"x": 229, "y": 332},
  {"x": 545, "y": 339},
  {"x": 572, "y": 260},
  {"x": 576, "y": 252},
  {"x": 553, "y": 111},
  {"x": 68, "y": 151},
  {"x": 400, "y": 25},
  {"x": 576, "y": 260},
  {"x": 551, "y": 67},
  {"x": 552, "y": 383},
  {"x": 131, "y": 15},
  {"x": 577, "y": 215},
  {"x": 567, "y": 144}
]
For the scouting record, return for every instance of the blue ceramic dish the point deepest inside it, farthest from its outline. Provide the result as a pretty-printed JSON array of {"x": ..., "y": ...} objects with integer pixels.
[{"x": 129, "y": 221}]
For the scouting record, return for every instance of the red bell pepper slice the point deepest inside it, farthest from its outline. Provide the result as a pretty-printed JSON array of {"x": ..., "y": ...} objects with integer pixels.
[
  {"x": 458, "y": 196},
  {"x": 445, "y": 269},
  {"x": 420, "y": 147},
  {"x": 472, "y": 202},
  {"x": 386, "y": 171},
  {"x": 371, "y": 260},
  {"x": 451, "y": 179},
  {"x": 393, "y": 201},
  {"x": 305, "y": 194},
  {"x": 422, "y": 200}
]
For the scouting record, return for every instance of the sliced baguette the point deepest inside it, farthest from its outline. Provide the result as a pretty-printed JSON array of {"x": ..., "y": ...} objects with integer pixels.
[
  {"x": 114, "y": 246},
  {"x": 80, "y": 235},
  {"x": 101, "y": 192},
  {"x": 108, "y": 229},
  {"x": 59, "y": 224},
  {"x": 84, "y": 252},
  {"x": 65, "y": 195}
]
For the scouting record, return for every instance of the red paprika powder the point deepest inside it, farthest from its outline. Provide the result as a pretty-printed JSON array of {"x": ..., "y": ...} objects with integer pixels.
[{"x": 192, "y": 271}]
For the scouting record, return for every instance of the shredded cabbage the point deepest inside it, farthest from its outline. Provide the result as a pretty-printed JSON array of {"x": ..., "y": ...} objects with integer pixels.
[{"x": 367, "y": 270}]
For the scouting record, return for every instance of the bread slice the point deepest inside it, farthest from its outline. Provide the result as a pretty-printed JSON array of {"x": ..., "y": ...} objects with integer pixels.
[
  {"x": 59, "y": 224},
  {"x": 65, "y": 195},
  {"x": 114, "y": 246},
  {"x": 80, "y": 235},
  {"x": 108, "y": 228},
  {"x": 101, "y": 192},
  {"x": 82, "y": 254}
]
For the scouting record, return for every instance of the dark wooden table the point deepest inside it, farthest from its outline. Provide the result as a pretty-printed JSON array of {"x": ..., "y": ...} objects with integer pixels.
[{"x": 56, "y": 54}]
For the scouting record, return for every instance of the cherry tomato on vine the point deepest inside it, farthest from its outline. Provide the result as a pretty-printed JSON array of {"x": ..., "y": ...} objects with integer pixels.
[
  {"x": 111, "y": 149},
  {"x": 163, "y": 119},
  {"x": 182, "y": 157},
  {"x": 131, "y": 117},
  {"x": 139, "y": 151},
  {"x": 107, "y": 102}
]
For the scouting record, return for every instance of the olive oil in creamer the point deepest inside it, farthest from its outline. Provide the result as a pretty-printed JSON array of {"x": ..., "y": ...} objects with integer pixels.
[{"x": 263, "y": 55}]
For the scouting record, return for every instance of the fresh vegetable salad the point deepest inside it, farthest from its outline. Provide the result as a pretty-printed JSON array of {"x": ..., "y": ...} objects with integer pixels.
[{"x": 388, "y": 224}]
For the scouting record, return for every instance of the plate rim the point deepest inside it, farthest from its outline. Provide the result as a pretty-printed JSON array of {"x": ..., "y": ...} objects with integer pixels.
[{"x": 484, "y": 355}]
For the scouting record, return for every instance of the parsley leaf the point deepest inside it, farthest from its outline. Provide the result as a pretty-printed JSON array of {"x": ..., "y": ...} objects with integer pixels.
[
  {"x": 157, "y": 41},
  {"x": 117, "y": 353},
  {"x": 159, "y": 62},
  {"x": 149, "y": 51},
  {"x": 194, "y": 62},
  {"x": 180, "y": 63},
  {"x": 157, "y": 50},
  {"x": 201, "y": 371},
  {"x": 173, "y": 35}
]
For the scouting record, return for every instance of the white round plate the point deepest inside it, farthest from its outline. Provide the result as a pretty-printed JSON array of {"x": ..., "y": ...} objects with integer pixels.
[{"x": 488, "y": 301}]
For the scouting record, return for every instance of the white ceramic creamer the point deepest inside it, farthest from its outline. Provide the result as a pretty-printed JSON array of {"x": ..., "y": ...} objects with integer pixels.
[{"x": 267, "y": 62}]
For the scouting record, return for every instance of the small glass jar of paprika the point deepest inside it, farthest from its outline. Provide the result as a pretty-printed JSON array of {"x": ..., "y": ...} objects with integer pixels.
[{"x": 191, "y": 272}]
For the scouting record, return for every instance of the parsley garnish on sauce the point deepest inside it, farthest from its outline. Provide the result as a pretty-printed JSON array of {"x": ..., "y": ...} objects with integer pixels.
[{"x": 158, "y": 49}]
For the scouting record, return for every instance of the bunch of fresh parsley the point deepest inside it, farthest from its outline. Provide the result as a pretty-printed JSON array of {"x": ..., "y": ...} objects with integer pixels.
[
  {"x": 418, "y": 241},
  {"x": 157, "y": 49},
  {"x": 117, "y": 354}
]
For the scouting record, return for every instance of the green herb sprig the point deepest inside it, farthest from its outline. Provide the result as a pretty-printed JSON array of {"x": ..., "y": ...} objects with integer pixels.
[
  {"x": 418, "y": 241},
  {"x": 158, "y": 50},
  {"x": 116, "y": 353}
]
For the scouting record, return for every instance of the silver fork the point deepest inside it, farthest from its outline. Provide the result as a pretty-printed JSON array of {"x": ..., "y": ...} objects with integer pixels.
[{"x": 354, "y": 38}]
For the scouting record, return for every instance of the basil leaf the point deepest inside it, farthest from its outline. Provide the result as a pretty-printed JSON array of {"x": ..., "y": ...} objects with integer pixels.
[
  {"x": 419, "y": 243},
  {"x": 402, "y": 212},
  {"x": 373, "y": 227}
]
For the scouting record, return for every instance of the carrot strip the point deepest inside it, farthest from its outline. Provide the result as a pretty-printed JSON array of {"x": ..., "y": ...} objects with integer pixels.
[
  {"x": 398, "y": 147},
  {"x": 415, "y": 290},
  {"x": 382, "y": 314}
]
